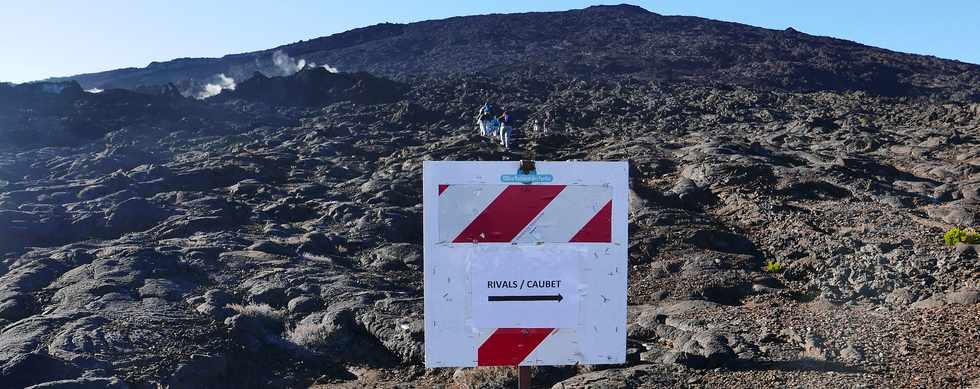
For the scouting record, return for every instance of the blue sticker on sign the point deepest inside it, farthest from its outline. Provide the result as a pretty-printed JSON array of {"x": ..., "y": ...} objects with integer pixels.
[{"x": 531, "y": 177}]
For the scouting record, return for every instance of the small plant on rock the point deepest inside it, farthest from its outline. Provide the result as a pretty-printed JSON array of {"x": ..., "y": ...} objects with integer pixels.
[
  {"x": 774, "y": 267},
  {"x": 261, "y": 311},
  {"x": 311, "y": 335},
  {"x": 961, "y": 235}
]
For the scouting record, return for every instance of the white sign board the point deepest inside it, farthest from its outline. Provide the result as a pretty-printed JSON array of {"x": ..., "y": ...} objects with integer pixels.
[{"x": 525, "y": 268}]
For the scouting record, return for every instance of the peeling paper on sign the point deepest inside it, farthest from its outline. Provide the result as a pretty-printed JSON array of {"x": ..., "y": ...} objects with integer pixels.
[{"x": 520, "y": 286}]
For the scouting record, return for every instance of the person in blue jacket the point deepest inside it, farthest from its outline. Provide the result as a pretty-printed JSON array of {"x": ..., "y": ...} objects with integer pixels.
[{"x": 483, "y": 118}]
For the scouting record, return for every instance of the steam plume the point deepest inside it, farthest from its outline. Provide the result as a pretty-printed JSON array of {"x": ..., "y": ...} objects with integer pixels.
[
  {"x": 221, "y": 83},
  {"x": 286, "y": 65}
]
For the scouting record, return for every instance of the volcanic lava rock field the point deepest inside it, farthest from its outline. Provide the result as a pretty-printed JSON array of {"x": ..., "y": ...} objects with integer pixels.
[{"x": 259, "y": 239}]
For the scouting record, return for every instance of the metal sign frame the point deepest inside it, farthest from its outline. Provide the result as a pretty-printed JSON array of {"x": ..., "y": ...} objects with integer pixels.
[{"x": 486, "y": 225}]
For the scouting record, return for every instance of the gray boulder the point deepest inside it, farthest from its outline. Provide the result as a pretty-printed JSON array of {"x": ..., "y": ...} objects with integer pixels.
[
  {"x": 134, "y": 214},
  {"x": 964, "y": 296}
]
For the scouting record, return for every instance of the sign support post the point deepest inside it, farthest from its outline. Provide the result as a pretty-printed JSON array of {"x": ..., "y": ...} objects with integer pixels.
[{"x": 523, "y": 377}]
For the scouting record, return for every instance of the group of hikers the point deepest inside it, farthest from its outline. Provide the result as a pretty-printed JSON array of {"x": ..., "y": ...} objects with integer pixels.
[{"x": 498, "y": 127}]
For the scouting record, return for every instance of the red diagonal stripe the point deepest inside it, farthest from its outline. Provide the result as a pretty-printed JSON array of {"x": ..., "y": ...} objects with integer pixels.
[
  {"x": 442, "y": 188},
  {"x": 509, "y": 346},
  {"x": 597, "y": 230},
  {"x": 509, "y": 213}
]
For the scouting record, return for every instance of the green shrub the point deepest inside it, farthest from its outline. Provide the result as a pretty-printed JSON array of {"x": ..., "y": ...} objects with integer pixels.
[
  {"x": 952, "y": 237},
  {"x": 774, "y": 267},
  {"x": 961, "y": 235}
]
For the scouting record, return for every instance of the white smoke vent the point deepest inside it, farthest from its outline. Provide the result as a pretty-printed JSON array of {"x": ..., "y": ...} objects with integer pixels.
[
  {"x": 221, "y": 82},
  {"x": 286, "y": 65}
]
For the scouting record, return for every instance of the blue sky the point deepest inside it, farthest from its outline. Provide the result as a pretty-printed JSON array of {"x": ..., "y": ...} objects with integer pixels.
[{"x": 40, "y": 39}]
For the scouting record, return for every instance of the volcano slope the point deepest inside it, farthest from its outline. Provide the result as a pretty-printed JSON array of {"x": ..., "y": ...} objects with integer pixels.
[
  {"x": 277, "y": 244},
  {"x": 599, "y": 42}
]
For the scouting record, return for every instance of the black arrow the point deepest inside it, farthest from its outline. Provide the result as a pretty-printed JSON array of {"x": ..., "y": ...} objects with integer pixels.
[{"x": 546, "y": 297}]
